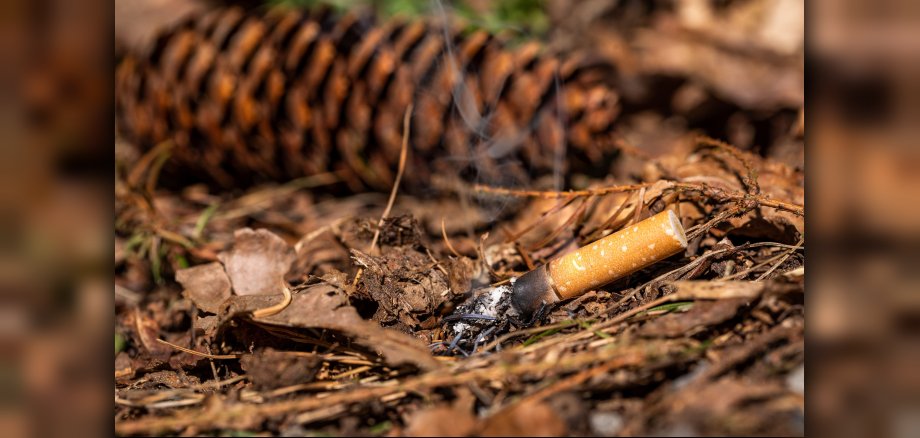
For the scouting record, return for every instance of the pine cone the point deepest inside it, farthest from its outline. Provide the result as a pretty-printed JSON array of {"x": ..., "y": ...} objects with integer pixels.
[{"x": 276, "y": 95}]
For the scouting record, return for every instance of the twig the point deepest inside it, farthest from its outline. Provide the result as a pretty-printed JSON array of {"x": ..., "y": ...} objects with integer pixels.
[
  {"x": 349, "y": 373},
  {"x": 204, "y": 419},
  {"x": 194, "y": 400},
  {"x": 254, "y": 202},
  {"x": 549, "y": 238},
  {"x": 639, "y": 206},
  {"x": 437, "y": 264},
  {"x": 791, "y": 248},
  {"x": 482, "y": 255},
  {"x": 693, "y": 264},
  {"x": 285, "y": 390},
  {"x": 220, "y": 383},
  {"x": 447, "y": 241},
  {"x": 198, "y": 353},
  {"x": 750, "y": 180},
  {"x": 403, "y": 152},
  {"x": 144, "y": 163},
  {"x": 562, "y": 385},
  {"x": 273, "y": 310},
  {"x": 213, "y": 369},
  {"x": 597, "y": 233},
  {"x": 782, "y": 260},
  {"x": 552, "y": 194},
  {"x": 560, "y": 205},
  {"x": 715, "y": 193},
  {"x": 696, "y": 231},
  {"x": 528, "y": 331}
]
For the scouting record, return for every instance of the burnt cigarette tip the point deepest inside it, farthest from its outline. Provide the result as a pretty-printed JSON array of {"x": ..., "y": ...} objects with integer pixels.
[{"x": 532, "y": 291}]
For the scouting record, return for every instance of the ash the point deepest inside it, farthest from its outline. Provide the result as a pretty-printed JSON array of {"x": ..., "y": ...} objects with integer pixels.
[{"x": 480, "y": 319}]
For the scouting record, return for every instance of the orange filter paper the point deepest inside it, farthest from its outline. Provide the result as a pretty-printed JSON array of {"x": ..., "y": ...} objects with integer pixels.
[{"x": 618, "y": 254}]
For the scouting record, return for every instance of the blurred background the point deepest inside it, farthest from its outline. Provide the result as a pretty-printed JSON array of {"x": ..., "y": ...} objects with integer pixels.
[{"x": 862, "y": 154}]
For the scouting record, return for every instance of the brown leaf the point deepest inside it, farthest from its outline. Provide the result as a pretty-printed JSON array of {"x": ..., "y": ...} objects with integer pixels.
[
  {"x": 525, "y": 419},
  {"x": 326, "y": 307},
  {"x": 258, "y": 261},
  {"x": 206, "y": 285},
  {"x": 148, "y": 331},
  {"x": 720, "y": 171}
]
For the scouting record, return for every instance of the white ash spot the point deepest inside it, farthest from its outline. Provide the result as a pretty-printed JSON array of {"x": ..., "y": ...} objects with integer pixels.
[
  {"x": 491, "y": 303},
  {"x": 577, "y": 266},
  {"x": 635, "y": 229},
  {"x": 623, "y": 248},
  {"x": 602, "y": 253},
  {"x": 651, "y": 246},
  {"x": 495, "y": 297}
]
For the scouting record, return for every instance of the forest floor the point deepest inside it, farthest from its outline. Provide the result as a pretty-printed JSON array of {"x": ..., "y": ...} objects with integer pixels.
[{"x": 709, "y": 341}]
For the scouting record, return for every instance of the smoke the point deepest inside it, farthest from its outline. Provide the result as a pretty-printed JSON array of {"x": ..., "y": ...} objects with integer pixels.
[{"x": 491, "y": 157}]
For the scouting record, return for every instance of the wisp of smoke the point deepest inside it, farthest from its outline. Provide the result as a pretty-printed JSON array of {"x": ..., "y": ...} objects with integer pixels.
[{"x": 499, "y": 149}]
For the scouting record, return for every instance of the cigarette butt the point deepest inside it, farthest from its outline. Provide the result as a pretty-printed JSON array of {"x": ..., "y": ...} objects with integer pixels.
[{"x": 600, "y": 262}]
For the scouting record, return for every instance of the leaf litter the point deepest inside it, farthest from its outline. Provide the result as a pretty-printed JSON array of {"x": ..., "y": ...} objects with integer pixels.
[
  {"x": 627, "y": 354},
  {"x": 706, "y": 342}
]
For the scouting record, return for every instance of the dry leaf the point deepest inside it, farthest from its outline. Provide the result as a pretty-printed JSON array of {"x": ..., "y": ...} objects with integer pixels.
[
  {"x": 325, "y": 307},
  {"x": 206, "y": 285},
  {"x": 258, "y": 261},
  {"x": 148, "y": 330}
]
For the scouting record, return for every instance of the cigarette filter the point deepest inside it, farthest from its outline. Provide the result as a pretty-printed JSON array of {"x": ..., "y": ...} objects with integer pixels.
[{"x": 600, "y": 262}]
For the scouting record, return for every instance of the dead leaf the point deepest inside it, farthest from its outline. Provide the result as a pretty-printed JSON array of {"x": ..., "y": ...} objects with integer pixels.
[
  {"x": 325, "y": 307},
  {"x": 148, "y": 331},
  {"x": 258, "y": 261},
  {"x": 720, "y": 171},
  {"x": 206, "y": 285}
]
